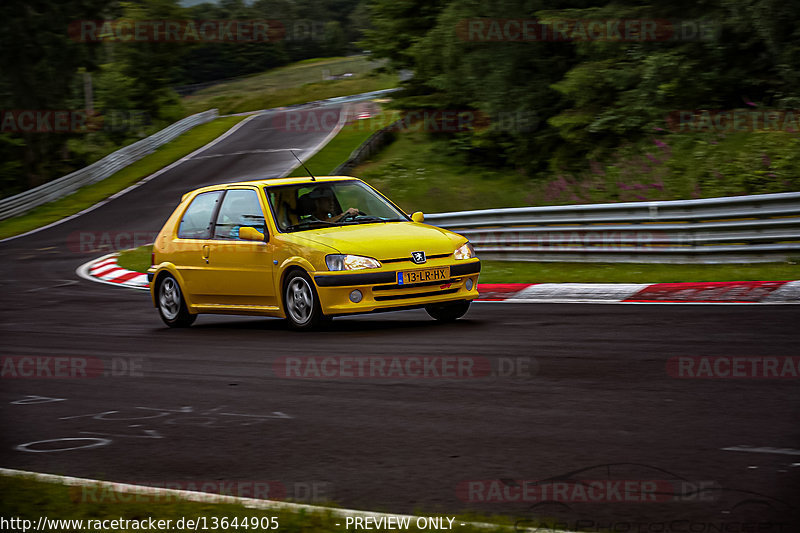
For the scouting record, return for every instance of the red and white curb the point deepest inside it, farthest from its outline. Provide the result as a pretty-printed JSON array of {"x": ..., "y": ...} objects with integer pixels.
[
  {"x": 716, "y": 292},
  {"x": 106, "y": 270}
]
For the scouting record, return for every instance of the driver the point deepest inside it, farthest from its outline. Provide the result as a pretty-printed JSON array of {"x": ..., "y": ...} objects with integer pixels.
[{"x": 325, "y": 205}]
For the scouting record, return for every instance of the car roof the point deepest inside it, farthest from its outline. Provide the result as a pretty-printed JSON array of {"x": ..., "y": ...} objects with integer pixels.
[{"x": 269, "y": 183}]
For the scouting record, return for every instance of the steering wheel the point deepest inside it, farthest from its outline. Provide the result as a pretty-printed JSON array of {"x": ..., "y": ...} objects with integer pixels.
[{"x": 351, "y": 216}]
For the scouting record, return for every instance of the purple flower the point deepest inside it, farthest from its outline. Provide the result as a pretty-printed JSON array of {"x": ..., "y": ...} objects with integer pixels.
[
  {"x": 660, "y": 144},
  {"x": 550, "y": 196},
  {"x": 766, "y": 160}
]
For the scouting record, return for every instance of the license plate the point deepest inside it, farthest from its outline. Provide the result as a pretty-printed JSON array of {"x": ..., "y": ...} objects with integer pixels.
[{"x": 421, "y": 276}]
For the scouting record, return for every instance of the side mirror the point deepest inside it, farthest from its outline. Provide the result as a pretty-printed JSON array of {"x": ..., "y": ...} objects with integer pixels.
[
  {"x": 418, "y": 217},
  {"x": 246, "y": 233}
]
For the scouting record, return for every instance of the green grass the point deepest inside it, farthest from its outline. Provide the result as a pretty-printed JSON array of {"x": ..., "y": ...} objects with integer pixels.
[
  {"x": 528, "y": 272},
  {"x": 27, "y": 499},
  {"x": 290, "y": 76},
  {"x": 294, "y": 84},
  {"x": 417, "y": 175},
  {"x": 138, "y": 260},
  {"x": 91, "y": 194},
  {"x": 340, "y": 147}
]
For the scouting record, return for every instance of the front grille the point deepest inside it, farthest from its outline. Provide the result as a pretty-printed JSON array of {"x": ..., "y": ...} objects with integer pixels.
[
  {"x": 413, "y": 295},
  {"x": 408, "y": 259}
]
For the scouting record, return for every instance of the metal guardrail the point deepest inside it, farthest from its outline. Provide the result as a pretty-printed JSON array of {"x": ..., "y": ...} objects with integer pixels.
[
  {"x": 736, "y": 229},
  {"x": 98, "y": 171},
  {"x": 105, "y": 167},
  {"x": 365, "y": 150}
]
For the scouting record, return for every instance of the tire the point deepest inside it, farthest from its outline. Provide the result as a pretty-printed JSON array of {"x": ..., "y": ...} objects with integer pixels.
[
  {"x": 448, "y": 312},
  {"x": 301, "y": 303},
  {"x": 171, "y": 305}
]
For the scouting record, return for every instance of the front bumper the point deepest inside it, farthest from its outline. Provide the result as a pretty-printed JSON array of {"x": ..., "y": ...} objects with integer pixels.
[{"x": 380, "y": 290}]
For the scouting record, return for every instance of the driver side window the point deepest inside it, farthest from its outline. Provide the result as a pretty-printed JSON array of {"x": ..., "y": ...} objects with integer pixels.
[{"x": 240, "y": 208}]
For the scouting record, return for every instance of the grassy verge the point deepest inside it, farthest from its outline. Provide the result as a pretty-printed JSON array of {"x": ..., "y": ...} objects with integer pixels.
[
  {"x": 418, "y": 175},
  {"x": 294, "y": 84},
  {"x": 138, "y": 259},
  {"x": 434, "y": 173},
  {"x": 91, "y": 194},
  {"x": 26, "y": 499},
  {"x": 340, "y": 147}
]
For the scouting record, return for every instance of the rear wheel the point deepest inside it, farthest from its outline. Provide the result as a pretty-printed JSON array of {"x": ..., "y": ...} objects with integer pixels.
[
  {"x": 301, "y": 303},
  {"x": 448, "y": 312},
  {"x": 171, "y": 305}
]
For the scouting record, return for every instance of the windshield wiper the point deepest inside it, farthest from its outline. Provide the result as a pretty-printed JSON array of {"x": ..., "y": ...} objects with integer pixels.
[{"x": 309, "y": 223}]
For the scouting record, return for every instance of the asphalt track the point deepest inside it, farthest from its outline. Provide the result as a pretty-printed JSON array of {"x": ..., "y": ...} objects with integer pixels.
[{"x": 593, "y": 401}]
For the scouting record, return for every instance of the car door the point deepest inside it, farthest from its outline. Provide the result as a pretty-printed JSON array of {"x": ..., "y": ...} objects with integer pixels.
[
  {"x": 240, "y": 272},
  {"x": 191, "y": 244}
]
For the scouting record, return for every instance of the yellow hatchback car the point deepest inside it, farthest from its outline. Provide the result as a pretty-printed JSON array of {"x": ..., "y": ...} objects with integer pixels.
[{"x": 305, "y": 249}]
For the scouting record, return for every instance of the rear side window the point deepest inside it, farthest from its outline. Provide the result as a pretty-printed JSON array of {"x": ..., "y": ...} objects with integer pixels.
[
  {"x": 196, "y": 221},
  {"x": 240, "y": 208}
]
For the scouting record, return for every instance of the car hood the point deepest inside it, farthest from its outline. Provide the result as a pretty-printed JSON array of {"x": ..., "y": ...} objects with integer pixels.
[{"x": 390, "y": 240}]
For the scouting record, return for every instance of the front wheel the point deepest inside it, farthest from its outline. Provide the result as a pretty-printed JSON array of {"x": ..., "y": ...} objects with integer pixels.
[
  {"x": 300, "y": 300},
  {"x": 171, "y": 305},
  {"x": 448, "y": 312}
]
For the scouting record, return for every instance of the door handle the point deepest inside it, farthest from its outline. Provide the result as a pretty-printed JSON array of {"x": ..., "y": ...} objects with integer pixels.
[{"x": 206, "y": 252}]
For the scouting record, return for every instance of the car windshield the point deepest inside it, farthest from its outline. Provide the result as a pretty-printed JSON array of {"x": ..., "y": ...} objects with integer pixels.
[{"x": 331, "y": 203}]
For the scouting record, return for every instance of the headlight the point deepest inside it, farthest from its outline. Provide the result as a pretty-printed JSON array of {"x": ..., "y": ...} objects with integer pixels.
[
  {"x": 350, "y": 262},
  {"x": 465, "y": 252}
]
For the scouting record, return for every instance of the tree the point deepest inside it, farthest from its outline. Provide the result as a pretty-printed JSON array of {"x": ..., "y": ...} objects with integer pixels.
[
  {"x": 37, "y": 69},
  {"x": 397, "y": 26}
]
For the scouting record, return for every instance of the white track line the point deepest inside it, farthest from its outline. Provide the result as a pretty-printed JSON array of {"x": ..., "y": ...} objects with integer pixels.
[
  {"x": 207, "y": 497},
  {"x": 763, "y": 449},
  {"x": 249, "y": 152}
]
